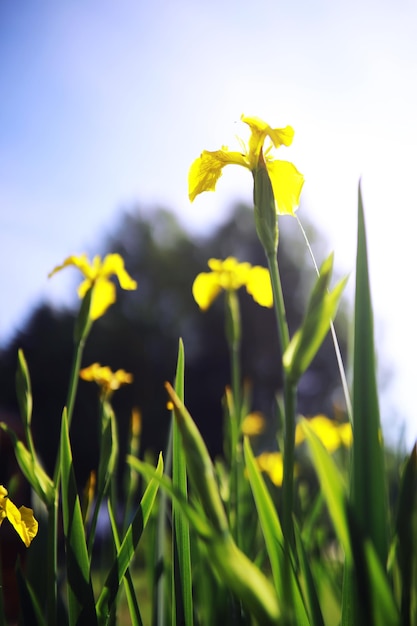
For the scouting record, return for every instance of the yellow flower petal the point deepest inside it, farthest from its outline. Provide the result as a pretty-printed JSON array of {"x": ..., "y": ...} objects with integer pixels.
[
  {"x": 207, "y": 169},
  {"x": 253, "y": 424},
  {"x": 287, "y": 183},
  {"x": 272, "y": 463},
  {"x": 206, "y": 288},
  {"x": 260, "y": 130},
  {"x": 104, "y": 295},
  {"x": 107, "y": 380},
  {"x": 259, "y": 286},
  {"x": 345, "y": 434},
  {"x": 21, "y": 519},
  {"x": 114, "y": 264},
  {"x": 327, "y": 432},
  {"x": 81, "y": 262}
]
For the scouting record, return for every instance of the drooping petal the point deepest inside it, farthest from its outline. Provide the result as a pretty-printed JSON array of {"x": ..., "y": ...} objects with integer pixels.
[
  {"x": 114, "y": 264},
  {"x": 81, "y": 262},
  {"x": 29, "y": 522},
  {"x": 104, "y": 294},
  {"x": 287, "y": 183},
  {"x": 206, "y": 288},
  {"x": 22, "y": 521},
  {"x": 207, "y": 169},
  {"x": 258, "y": 284}
]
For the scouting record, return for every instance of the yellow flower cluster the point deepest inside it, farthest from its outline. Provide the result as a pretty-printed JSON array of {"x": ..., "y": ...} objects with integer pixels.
[
  {"x": 21, "y": 519},
  {"x": 286, "y": 180},
  {"x": 97, "y": 274},
  {"x": 332, "y": 435},
  {"x": 107, "y": 380},
  {"x": 230, "y": 275}
]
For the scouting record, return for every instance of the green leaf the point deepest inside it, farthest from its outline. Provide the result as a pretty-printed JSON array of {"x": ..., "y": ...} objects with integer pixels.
[
  {"x": 132, "y": 602},
  {"x": 127, "y": 549},
  {"x": 321, "y": 310},
  {"x": 235, "y": 570},
  {"x": 332, "y": 485},
  {"x": 199, "y": 465},
  {"x": 31, "y": 612},
  {"x": 406, "y": 531},
  {"x": 31, "y": 468},
  {"x": 371, "y": 601},
  {"x": 285, "y": 580},
  {"x": 80, "y": 590},
  {"x": 316, "y": 616},
  {"x": 24, "y": 389},
  {"x": 368, "y": 471},
  {"x": 196, "y": 518},
  {"x": 181, "y": 570}
]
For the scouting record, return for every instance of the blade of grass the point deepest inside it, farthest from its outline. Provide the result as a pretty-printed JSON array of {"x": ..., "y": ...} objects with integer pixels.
[
  {"x": 285, "y": 581},
  {"x": 125, "y": 554},
  {"x": 181, "y": 571},
  {"x": 368, "y": 472},
  {"x": 31, "y": 612},
  {"x": 406, "y": 530},
  {"x": 314, "y": 610},
  {"x": 80, "y": 590},
  {"x": 333, "y": 487},
  {"x": 131, "y": 598}
]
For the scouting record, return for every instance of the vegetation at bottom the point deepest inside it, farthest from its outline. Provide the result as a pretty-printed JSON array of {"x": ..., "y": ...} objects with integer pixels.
[{"x": 188, "y": 447}]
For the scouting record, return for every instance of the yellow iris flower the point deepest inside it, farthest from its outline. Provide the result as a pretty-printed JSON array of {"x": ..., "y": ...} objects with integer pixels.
[
  {"x": 331, "y": 434},
  {"x": 230, "y": 275},
  {"x": 21, "y": 519},
  {"x": 253, "y": 424},
  {"x": 97, "y": 274},
  {"x": 273, "y": 464},
  {"x": 107, "y": 380},
  {"x": 286, "y": 180}
]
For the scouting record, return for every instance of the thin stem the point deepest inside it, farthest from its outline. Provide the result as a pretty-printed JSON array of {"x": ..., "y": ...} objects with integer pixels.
[
  {"x": 289, "y": 404},
  {"x": 52, "y": 568},
  {"x": 334, "y": 336},
  {"x": 233, "y": 334},
  {"x": 74, "y": 377}
]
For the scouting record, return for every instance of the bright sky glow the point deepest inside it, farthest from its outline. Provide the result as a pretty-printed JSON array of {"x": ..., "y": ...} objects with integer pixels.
[{"x": 105, "y": 104}]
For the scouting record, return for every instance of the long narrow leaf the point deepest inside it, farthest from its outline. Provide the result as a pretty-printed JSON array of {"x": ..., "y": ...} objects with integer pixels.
[
  {"x": 406, "y": 530},
  {"x": 181, "y": 570},
  {"x": 80, "y": 590},
  {"x": 333, "y": 487},
  {"x": 131, "y": 598},
  {"x": 285, "y": 581},
  {"x": 126, "y": 552},
  {"x": 368, "y": 472}
]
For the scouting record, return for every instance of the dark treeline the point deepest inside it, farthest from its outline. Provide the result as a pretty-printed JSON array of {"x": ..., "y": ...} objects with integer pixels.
[{"x": 140, "y": 334}]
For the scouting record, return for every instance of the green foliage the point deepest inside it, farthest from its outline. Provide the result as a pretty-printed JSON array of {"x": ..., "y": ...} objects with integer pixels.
[{"x": 233, "y": 544}]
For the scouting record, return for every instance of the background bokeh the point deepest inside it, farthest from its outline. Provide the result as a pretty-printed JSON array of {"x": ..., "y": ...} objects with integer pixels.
[{"x": 105, "y": 105}]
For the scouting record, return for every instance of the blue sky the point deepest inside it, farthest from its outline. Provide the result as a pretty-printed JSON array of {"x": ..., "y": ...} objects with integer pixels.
[{"x": 106, "y": 104}]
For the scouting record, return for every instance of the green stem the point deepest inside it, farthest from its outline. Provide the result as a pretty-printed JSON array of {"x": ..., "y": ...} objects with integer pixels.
[
  {"x": 52, "y": 591},
  {"x": 233, "y": 334},
  {"x": 52, "y": 568},
  {"x": 289, "y": 404},
  {"x": 74, "y": 377}
]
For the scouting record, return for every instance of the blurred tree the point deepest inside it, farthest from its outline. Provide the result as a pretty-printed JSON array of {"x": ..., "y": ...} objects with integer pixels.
[{"x": 140, "y": 334}]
